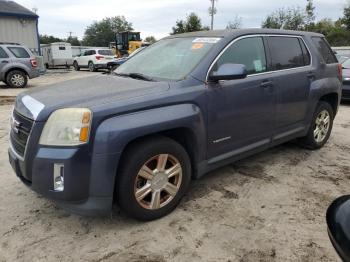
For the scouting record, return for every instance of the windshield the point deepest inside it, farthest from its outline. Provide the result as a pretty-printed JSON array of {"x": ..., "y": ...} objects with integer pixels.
[
  {"x": 346, "y": 64},
  {"x": 105, "y": 52},
  {"x": 169, "y": 59}
]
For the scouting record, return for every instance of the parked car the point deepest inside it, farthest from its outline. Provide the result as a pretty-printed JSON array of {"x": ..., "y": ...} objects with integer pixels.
[
  {"x": 346, "y": 80},
  {"x": 341, "y": 58},
  {"x": 113, "y": 65},
  {"x": 338, "y": 221},
  {"x": 93, "y": 59},
  {"x": 17, "y": 64},
  {"x": 184, "y": 106}
]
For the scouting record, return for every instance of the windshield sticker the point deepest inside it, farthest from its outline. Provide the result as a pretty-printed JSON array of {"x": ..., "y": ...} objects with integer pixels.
[
  {"x": 208, "y": 40},
  {"x": 196, "y": 46},
  {"x": 258, "y": 66}
]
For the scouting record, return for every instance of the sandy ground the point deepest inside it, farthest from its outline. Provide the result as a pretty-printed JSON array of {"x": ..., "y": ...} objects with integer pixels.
[{"x": 270, "y": 207}]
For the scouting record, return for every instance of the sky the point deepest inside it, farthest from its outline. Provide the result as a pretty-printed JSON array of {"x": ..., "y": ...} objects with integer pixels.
[{"x": 157, "y": 17}]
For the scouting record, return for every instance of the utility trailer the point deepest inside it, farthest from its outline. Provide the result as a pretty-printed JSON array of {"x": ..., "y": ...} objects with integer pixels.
[{"x": 57, "y": 55}]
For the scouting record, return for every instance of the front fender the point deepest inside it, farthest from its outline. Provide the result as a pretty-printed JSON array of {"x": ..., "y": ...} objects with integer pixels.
[
  {"x": 115, "y": 133},
  {"x": 12, "y": 66}
]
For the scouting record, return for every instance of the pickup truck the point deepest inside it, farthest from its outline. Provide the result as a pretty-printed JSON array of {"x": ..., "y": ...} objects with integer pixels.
[{"x": 182, "y": 107}]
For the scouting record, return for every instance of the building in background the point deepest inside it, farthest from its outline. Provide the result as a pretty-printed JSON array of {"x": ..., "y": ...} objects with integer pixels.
[{"x": 19, "y": 25}]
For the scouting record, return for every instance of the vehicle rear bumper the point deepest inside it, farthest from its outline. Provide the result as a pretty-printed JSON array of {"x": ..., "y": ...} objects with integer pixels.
[
  {"x": 346, "y": 92},
  {"x": 34, "y": 73},
  {"x": 88, "y": 185}
]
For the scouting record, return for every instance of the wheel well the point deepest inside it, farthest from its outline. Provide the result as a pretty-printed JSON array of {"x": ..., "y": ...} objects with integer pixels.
[
  {"x": 184, "y": 136},
  {"x": 16, "y": 68},
  {"x": 332, "y": 99}
]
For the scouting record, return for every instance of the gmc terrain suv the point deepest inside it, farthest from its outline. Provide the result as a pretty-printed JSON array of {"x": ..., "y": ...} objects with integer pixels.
[
  {"x": 17, "y": 64},
  {"x": 182, "y": 107}
]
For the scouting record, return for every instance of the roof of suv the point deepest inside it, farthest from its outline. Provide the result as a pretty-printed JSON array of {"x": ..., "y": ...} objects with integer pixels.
[{"x": 237, "y": 32}]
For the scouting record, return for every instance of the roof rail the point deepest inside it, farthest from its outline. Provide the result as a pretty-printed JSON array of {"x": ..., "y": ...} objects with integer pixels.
[{"x": 8, "y": 43}]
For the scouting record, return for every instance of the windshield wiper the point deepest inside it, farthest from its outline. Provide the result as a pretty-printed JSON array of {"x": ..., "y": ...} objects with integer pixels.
[{"x": 136, "y": 76}]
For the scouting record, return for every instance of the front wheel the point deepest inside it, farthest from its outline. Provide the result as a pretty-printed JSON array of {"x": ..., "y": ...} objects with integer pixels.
[
  {"x": 321, "y": 127},
  {"x": 154, "y": 176},
  {"x": 17, "y": 79}
]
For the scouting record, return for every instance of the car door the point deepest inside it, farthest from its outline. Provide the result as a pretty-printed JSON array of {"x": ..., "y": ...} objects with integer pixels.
[
  {"x": 292, "y": 76},
  {"x": 85, "y": 58},
  {"x": 241, "y": 112},
  {"x": 4, "y": 59}
]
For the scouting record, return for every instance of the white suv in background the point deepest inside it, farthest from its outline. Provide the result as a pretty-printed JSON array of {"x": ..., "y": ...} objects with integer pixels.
[{"x": 94, "y": 59}]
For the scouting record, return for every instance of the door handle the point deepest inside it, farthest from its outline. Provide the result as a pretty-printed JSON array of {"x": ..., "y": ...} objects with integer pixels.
[
  {"x": 4, "y": 62},
  {"x": 266, "y": 84},
  {"x": 311, "y": 75}
]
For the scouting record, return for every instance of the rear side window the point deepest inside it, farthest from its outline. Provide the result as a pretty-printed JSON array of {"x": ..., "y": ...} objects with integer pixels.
[
  {"x": 286, "y": 52},
  {"x": 105, "y": 52},
  {"x": 325, "y": 50},
  {"x": 249, "y": 52},
  {"x": 3, "y": 53},
  {"x": 19, "y": 52}
]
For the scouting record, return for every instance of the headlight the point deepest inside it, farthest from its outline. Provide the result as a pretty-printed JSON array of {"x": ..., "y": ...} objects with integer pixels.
[{"x": 67, "y": 127}]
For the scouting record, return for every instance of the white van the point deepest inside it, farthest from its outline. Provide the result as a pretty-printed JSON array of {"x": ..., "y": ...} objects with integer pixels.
[{"x": 57, "y": 55}]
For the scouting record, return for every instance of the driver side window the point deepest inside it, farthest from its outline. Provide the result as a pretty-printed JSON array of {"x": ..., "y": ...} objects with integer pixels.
[{"x": 249, "y": 52}]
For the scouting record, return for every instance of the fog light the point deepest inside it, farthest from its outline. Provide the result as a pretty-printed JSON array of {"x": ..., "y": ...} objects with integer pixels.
[{"x": 58, "y": 177}]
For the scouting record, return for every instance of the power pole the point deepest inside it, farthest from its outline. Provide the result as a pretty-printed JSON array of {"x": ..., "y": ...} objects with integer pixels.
[
  {"x": 70, "y": 34},
  {"x": 212, "y": 12}
]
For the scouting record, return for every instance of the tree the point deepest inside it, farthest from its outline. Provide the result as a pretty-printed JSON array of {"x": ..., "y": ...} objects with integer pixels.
[
  {"x": 73, "y": 40},
  {"x": 191, "y": 24},
  {"x": 150, "y": 39},
  {"x": 346, "y": 17},
  {"x": 103, "y": 32},
  {"x": 292, "y": 18},
  {"x": 236, "y": 23},
  {"x": 310, "y": 14},
  {"x": 46, "y": 39}
]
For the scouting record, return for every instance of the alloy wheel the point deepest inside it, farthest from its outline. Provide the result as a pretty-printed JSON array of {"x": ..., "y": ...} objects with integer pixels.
[
  {"x": 158, "y": 181},
  {"x": 322, "y": 125},
  {"x": 17, "y": 80}
]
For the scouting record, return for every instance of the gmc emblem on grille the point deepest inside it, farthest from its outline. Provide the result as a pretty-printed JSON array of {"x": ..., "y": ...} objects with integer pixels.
[{"x": 15, "y": 125}]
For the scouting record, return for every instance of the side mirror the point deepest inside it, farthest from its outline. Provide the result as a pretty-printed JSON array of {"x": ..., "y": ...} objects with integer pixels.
[
  {"x": 229, "y": 72},
  {"x": 338, "y": 222}
]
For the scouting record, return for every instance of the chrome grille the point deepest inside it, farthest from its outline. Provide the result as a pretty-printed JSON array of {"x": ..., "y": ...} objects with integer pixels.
[{"x": 20, "y": 131}]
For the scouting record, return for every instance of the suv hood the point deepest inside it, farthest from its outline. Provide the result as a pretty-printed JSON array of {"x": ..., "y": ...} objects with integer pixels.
[{"x": 85, "y": 92}]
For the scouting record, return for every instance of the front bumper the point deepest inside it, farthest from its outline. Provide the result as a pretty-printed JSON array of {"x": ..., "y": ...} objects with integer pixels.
[{"x": 88, "y": 182}]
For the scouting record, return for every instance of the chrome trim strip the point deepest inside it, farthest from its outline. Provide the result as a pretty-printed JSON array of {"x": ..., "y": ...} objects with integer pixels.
[
  {"x": 221, "y": 140},
  {"x": 33, "y": 105},
  {"x": 261, "y": 35}
]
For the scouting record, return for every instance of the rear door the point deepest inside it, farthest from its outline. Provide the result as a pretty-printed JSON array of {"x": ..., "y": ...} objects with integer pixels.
[
  {"x": 292, "y": 74},
  {"x": 4, "y": 60}
]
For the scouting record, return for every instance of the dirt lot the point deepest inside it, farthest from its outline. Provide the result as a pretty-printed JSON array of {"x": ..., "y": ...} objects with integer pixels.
[{"x": 270, "y": 207}]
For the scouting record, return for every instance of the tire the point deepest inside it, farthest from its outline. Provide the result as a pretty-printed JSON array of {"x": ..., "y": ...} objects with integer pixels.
[
  {"x": 16, "y": 79},
  {"x": 47, "y": 66},
  {"x": 129, "y": 181},
  {"x": 76, "y": 66},
  {"x": 317, "y": 139},
  {"x": 92, "y": 67}
]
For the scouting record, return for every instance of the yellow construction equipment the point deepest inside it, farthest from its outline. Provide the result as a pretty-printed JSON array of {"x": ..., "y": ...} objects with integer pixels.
[{"x": 127, "y": 42}]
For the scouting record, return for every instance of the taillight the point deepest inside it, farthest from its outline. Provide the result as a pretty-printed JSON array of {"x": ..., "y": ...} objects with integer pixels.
[
  {"x": 340, "y": 72},
  {"x": 33, "y": 62},
  {"x": 99, "y": 57}
]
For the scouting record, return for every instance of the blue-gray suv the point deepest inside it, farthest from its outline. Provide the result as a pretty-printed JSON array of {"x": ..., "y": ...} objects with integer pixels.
[
  {"x": 17, "y": 64},
  {"x": 184, "y": 106}
]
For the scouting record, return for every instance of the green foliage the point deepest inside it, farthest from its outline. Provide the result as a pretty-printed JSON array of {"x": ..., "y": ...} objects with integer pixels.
[
  {"x": 292, "y": 18},
  {"x": 48, "y": 39},
  {"x": 236, "y": 23},
  {"x": 150, "y": 39},
  {"x": 103, "y": 32},
  {"x": 73, "y": 40},
  {"x": 191, "y": 24},
  {"x": 337, "y": 33}
]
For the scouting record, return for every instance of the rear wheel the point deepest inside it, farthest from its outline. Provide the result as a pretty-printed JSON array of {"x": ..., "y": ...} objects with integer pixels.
[
  {"x": 76, "y": 66},
  {"x": 321, "y": 127},
  {"x": 16, "y": 79},
  {"x": 154, "y": 176},
  {"x": 92, "y": 67}
]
